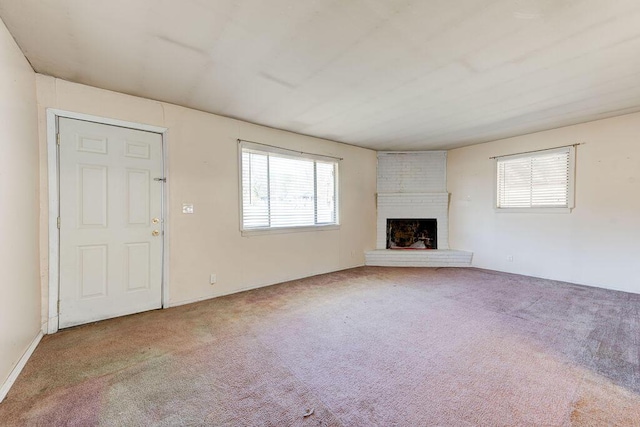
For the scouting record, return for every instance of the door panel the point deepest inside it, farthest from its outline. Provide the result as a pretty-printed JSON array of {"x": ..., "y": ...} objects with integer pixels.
[
  {"x": 92, "y": 271},
  {"x": 110, "y": 261},
  {"x": 137, "y": 267},
  {"x": 92, "y": 180},
  {"x": 138, "y": 197}
]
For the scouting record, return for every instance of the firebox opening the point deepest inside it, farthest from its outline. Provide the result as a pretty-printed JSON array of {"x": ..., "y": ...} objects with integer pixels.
[{"x": 412, "y": 233}]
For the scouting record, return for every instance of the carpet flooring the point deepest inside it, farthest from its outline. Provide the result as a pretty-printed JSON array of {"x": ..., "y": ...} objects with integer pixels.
[{"x": 369, "y": 346}]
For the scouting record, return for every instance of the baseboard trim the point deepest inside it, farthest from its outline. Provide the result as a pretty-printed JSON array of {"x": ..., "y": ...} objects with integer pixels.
[
  {"x": 13, "y": 376},
  {"x": 252, "y": 287}
]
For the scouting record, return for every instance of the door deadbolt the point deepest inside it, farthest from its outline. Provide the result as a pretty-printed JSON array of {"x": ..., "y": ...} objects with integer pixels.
[{"x": 155, "y": 220}]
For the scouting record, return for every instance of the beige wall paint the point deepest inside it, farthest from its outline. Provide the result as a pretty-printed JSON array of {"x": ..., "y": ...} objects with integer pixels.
[
  {"x": 596, "y": 244},
  {"x": 203, "y": 170},
  {"x": 19, "y": 284}
]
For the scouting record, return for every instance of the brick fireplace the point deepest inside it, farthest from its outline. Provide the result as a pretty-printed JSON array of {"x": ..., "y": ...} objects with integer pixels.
[{"x": 412, "y": 186}]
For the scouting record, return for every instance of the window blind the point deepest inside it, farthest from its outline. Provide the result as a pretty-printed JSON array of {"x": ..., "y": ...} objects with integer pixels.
[
  {"x": 540, "y": 180},
  {"x": 282, "y": 190}
]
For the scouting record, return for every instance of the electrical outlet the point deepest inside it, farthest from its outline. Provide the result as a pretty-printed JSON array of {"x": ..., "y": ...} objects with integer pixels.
[
  {"x": 510, "y": 258},
  {"x": 212, "y": 278}
]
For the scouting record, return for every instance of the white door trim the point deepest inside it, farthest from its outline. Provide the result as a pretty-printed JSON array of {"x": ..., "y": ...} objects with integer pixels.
[{"x": 54, "y": 203}]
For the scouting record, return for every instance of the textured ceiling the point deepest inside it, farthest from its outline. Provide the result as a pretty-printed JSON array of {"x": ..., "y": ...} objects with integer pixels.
[{"x": 383, "y": 74}]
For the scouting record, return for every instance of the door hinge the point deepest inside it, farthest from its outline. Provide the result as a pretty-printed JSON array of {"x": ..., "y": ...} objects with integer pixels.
[
  {"x": 58, "y": 139},
  {"x": 58, "y": 223},
  {"x": 58, "y": 306}
]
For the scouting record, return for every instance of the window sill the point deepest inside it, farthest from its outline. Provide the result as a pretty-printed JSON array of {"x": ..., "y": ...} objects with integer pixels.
[
  {"x": 285, "y": 230},
  {"x": 534, "y": 210}
]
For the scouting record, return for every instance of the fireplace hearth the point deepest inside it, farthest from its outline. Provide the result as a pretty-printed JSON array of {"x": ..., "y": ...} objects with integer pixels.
[{"x": 412, "y": 233}]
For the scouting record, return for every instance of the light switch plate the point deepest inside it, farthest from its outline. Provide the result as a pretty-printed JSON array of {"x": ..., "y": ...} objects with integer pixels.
[{"x": 187, "y": 208}]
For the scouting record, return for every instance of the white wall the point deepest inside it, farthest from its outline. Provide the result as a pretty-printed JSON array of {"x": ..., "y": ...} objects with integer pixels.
[
  {"x": 597, "y": 244},
  {"x": 203, "y": 170},
  {"x": 19, "y": 284}
]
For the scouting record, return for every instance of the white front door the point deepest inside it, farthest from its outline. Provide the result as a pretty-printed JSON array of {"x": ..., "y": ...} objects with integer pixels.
[{"x": 110, "y": 221}]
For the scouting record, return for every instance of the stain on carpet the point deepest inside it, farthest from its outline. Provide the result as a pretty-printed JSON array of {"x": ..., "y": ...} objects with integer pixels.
[{"x": 367, "y": 346}]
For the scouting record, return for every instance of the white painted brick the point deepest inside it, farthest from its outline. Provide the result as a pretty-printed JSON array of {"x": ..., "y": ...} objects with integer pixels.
[
  {"x": 413, "y": 185},
  {"x": 411, "y": 205},
  {"x": 418, "y": 172},
  {"x": 418, "y": 258}
]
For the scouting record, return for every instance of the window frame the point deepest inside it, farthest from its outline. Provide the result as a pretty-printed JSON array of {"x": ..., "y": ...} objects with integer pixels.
[
  {"x": 571, "y": 149},
  {"x": 292, "y": 154}
]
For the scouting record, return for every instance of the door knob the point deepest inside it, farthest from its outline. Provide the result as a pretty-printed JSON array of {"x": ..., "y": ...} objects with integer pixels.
[{"x": 155, "y": 233}]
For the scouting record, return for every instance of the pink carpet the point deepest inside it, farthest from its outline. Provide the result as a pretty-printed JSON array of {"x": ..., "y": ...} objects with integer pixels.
[{"x": 363, "y": 347}]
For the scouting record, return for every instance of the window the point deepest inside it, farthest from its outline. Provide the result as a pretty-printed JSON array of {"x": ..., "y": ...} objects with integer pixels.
[
  {"x": 540, "y": 180},
  {"x": 283, "y": 189}
]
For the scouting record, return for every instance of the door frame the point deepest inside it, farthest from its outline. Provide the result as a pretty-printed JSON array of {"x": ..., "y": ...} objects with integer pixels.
[{"x": 53, "y": 162}]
